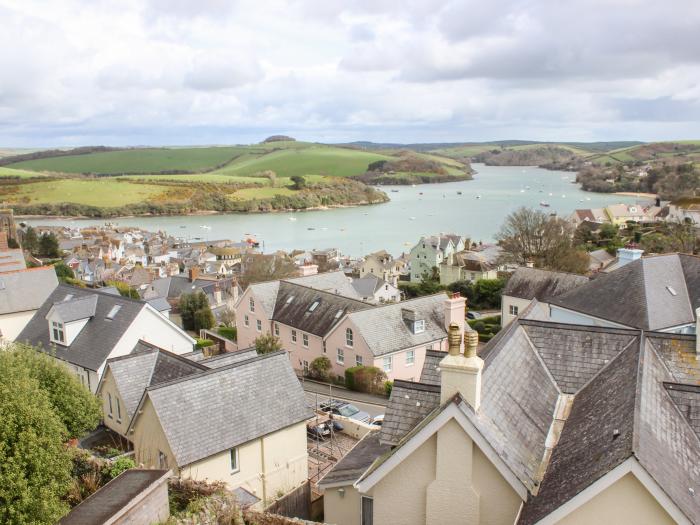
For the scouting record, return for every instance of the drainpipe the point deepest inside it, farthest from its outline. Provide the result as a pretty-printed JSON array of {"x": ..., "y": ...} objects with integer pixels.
[{"x": 264, "y": 472}]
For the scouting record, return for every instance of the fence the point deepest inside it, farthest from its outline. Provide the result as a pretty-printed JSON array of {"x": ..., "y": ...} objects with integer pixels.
[{"x": 295, "y": 504}]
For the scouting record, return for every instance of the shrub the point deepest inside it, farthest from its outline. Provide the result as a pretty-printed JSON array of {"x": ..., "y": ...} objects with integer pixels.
[
  {"x": 388, "y": 387},
  {"x": 112, "y": 470},
  {"x": 124, "y": 289},
  {"x": 203, "y": 343},
  {"x": 229, "y": 332},
  {"x": 368, "y": 379},
  {"x": 320, "y": 368},
  {"x": 267, "y": 343},
  {"x": 479, "y": 326}
]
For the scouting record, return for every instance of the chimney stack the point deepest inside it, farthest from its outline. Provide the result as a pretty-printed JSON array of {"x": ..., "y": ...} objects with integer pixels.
[
  {"x": 461, "y": 372},
  {"x": 455, "y": 311}
]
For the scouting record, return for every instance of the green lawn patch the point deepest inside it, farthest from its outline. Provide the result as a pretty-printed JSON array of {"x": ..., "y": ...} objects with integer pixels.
[{"x": 93, "y": 192}]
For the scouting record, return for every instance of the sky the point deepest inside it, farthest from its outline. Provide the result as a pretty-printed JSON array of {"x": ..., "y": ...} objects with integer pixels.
[{"x": 177, "y": 72}]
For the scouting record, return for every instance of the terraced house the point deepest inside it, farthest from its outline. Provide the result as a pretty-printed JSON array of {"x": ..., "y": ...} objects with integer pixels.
[
  {"x": 311, "y": 323},
  {"x": 552, "y": 423}
]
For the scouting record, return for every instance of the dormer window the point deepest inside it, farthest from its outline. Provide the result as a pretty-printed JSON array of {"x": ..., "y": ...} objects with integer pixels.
[
  {"x": 419, "y": 326},
  {"x": 57, "y": 332}
]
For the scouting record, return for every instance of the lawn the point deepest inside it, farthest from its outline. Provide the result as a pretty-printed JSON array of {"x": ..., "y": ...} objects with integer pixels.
[
  {"x": 22, "y": 174},
  {"x": 311, "y": 160},
  {"x": 465, "y": 151},
  {"x": 103, "y": 192},
  {"x": 199, "y": 177},
  {"x": 141, "y": 160}
]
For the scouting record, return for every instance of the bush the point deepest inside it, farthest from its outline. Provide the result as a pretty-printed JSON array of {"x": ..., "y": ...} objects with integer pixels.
[
  {"x": 124, "y": 289},
  {"x": 320, "y": 368},
  {"x": 479, "y": 326},
  {"x": 112, "y": 470},
  {"x": 388, "y": 387},
  {"x": 229, "y": 332},
  {"x": 267, "y": 343},
  {"x": 203, "y": 343},
  {"x": 369, "y": 379}
]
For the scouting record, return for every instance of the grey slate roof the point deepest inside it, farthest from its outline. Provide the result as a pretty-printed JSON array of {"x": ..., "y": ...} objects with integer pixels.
[
  {"x": 244, "y": 498},
  {"x": 408, "y": 405},
  {"x": 293, "y": 303},
  {"x": 109, "y": 500},
  {"x": 678, "y": 353},
  {"x": 24, "y": 290},
  {"x": 147, "y": 365},
  {"x": 355, "y": 462},
  {"x": 161, "y": 304},
  {"x": 430, "y": 375},
  {"x": 687, "y": 399},
  {"x": 543, "y": 285},
  {"x": 385, "y": 331},
  {"x": 76, "y": 309},
  {"x": 12, "y": 260},
  {"x": 228, "y": 358},
  {"x": 641, "y": 293},
  {"x": 98, "y": 337},
  {"x": 366, "y": 286},
  {"x": 205, "y": 414}
]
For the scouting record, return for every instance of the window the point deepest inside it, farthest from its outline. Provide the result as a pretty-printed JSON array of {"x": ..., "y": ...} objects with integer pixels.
[
  {"x": 419, "y": 326},
  {"x": 258, "y": 325},
  {"x": 162, "y": 460},
  {"x": 341, "y": 356},
  {"x": 294, "y": 336},
  {"x": 358, "y": 360},
  {"x": 305, "y": 340},
  {"x": 410, "y": 357},
  {"x": 57, "y": 332},
  {"x": 306, "y": 367},
  {"x": 387, "y": 364},
  {"x": 348, "y": 337},
  {"x": 234, "y": 460},
  {"x": 367, "y": 511},
  {"x": 114, "y": 311},
  {"x": 277, "y": 330},
  {"x": 246, "y": 321},
  {"x": 109, "y": 398},
  {"x": 513, "y": 309},
  {"x": 119, "y": 412},
  {"x": 251, "y": 303},
  {"x": 291, "y": 298},
  {"x": 314, "y": 305}
]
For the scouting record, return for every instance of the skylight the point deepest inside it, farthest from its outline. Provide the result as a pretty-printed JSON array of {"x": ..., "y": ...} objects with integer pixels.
[
  {"x": 68, "y": 297},
  {"x": 340, "y": 312},
  {"x": 291, "y": 298},
  {"x": 671, "y": 291},
  {"x": 313, "y": 306},
  {"x": 114, "y": 311}
]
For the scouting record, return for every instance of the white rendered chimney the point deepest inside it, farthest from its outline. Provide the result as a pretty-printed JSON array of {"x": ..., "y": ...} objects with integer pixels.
[
  {"x": 627, "y": 255},
  {"x": 455, "y": 311},
  {"x": 461, "y": 372}
]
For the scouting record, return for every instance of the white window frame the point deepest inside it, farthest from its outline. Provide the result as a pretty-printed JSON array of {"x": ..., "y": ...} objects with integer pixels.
[
  {"x": 251, "y": 304},
  {"x": 234, "y": 460},
  {"x": 277, "y": 330},
  {"x": 419, "y": 326},
  {"x": 410, "y": 357},
  {"x": 258, "y": 325},
  {"x": 358, "y": 360},
  {"x": 513, "y": 309},
  {"x": 349, "y": 338},
  {"x": 305, "y": 340},
  {"x": 340, "y": 356},
  {"x": 305, "y": 367},
  {"x": 246, "y": 321},
  {"x": 387, "y": 361},
  {"x": 58, "y": 332},
  {"x": 294, "y": 336}
]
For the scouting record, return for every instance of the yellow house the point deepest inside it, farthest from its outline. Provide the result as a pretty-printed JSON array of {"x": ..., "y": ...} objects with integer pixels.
[
  {"x": 556, "y": 424},
  {"x": 242, "y": 424}
]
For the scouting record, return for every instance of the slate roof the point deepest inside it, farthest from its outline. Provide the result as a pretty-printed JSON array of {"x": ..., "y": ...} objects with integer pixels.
[
  {"x": 687, "y": 399},
  {"x": 228, "y": 358},
  {"x": 93, "y": 344},
  {"x": 357, "y": 461},
  {"x": 543, "y": 285},
  {"x": 651, "y": 293},
  {"x": 368, "y": 285},
  {"x": 385, "y": 331},
  {"x": 147, "y": 365},
  {"x": 217, "y": 410},
  {"x": 25, "y": 290},
  {"x": 75, "y": 309},
  {"x": 293, "y": 308},
  {"x": 12, "y": 260},
  {"x": 430, "y": 375},
  {"x": 110, "y": 499},
  {"x": 679, "y": 355},
  {"x": 161, "y": 304},
  {"x": 408, "y": 405}
]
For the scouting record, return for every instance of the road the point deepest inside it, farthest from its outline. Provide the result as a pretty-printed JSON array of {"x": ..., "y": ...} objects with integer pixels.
[{"x": 315, "y": 398}]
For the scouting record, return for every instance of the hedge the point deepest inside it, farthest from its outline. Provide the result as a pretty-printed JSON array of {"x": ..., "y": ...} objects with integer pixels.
[{"x": 369, "y": 379}]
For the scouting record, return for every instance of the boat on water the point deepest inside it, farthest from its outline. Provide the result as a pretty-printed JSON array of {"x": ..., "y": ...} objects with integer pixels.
[
  {"x": 310, "y": 228},
  {"x": 522, "y": 191},
  {"x": 420, "y": 193},
  {"x": 458, "y": 193},
  {"x": 527, "y": 187},
  {"x": 394, "y": 191},
  {"x": 413, "y": 185},
  {"x": 544, "y": 204},
  {"x": 478, "y": 196},
  {"x": 411, "y": 218},
  {"x": 292, "y": 218},
  {"x": 550, "y": 194},
  {"x": 205, "y": 227}
]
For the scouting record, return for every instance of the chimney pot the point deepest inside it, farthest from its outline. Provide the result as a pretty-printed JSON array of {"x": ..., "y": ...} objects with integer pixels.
[
  {"x": 454, "y": 339},
  {"x": 471, "y": 341}
]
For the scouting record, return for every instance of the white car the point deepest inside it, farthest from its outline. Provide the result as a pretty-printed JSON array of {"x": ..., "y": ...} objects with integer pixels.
[{"x": 377, "y": 421}]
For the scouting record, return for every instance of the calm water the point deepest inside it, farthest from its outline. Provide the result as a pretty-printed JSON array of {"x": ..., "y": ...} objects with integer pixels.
[{"x": 396, "y": 225}]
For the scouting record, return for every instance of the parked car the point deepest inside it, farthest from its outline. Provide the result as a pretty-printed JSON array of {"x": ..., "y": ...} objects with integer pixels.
[
  {"x": 341, "y": 408},
  {"x": 378, "y": 421},
  {"x": 473, "y": 315},
  {"x": 322, "y": 430}
]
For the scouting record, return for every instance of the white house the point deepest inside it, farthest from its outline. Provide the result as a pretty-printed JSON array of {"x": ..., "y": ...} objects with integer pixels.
[
  {"x": 431, "y": 251},
  {"x": 22, "y": 292}
]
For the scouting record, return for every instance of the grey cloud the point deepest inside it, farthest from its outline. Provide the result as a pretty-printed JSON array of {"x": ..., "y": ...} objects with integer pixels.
[{"x": 216, "y": 73}]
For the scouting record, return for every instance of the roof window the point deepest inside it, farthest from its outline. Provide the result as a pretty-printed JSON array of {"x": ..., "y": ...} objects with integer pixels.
[
  {"x": 314, "y": 305},
  {"x": 68, "y": 297},
  {"x": 291, "y": 298},
  {"x": 114, "y": 311},
  {"x": 671, "y": 291},
  {"x": 338, "y": 314}
]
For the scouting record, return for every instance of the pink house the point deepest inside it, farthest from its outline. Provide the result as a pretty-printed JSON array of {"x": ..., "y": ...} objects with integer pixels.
[{"x": 311, "y": 323}]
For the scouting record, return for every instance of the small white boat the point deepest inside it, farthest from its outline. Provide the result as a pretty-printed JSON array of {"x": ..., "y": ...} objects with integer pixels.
[
  {"x": 522, "y": 191},
  {"x": 563, "y": 196},
  {"x": 413, "y": 185},
  {"x": 544, "y": 204},
  {"x": 478, "y": 196},
  {"x": 205, "y": 227},
  {"x": 411, "y": 218},
  {"x": 550, "y": 194},
  {"x": 292, "y": 218}
]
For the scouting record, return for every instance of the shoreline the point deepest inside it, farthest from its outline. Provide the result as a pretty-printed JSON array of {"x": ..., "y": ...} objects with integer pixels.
[{"x": 651, "y": 196}]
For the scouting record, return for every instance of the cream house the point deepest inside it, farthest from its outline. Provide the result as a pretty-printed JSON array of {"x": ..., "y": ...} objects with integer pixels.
[
  {"x": 83, "y": 328},
  {"x": 471, "y": 265},
  {"x": 242, "y": 424},
  {"x": 431, "y": 252},
  {"x": 553, "y": 423},
  {"x": 22, "y": 292}
]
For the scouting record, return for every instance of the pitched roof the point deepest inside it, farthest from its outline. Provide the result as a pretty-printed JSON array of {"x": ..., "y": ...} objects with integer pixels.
[
  {"x": 368, "y": 285},
  {"x": 430, "y": 375},
  {"x": 110, "y": 500},
  {"x": 228, "y": 358},
  {"x": 357, "y": 461},
  {"x": 294, "y": 306},
  {"x": 650, "y": 293},
  {"x": 687, "y": 399},
  {"x": 385, "y": 331},
  {"x": 11, "y": 260},
  {"x": 75, "y": 309},
  {"x": 147, "y": 365},
  {"x": 24, "y": 290},
  {"x": 408, "y": 405},
  {"x": 543, "y": 285},
  {"x": 225, "y": 407},
  {"x": 93, "y": 344}
]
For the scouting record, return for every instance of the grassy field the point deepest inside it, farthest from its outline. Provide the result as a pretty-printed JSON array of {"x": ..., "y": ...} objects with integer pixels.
[
  {"x": 22, "y": 174},
  {"x": 140, "y": 160},
  {"x": 261, "y": 193},
  {"x": 104, "y": 192},
  {"x": 214, "y": 178},
  {"x": 310, "y": 160}
]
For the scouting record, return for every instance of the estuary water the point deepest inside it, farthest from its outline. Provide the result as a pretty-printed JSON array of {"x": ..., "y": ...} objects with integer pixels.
[{"x": 473, "y": 208}]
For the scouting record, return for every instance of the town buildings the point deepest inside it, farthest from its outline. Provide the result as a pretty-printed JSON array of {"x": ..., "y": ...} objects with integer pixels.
[
  {"x": 431, "y": 251},
  {"x": 481, "y": 262}
]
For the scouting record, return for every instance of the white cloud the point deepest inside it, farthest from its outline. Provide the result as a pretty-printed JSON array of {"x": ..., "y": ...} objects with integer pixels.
[{"x": 156, "y": 71}]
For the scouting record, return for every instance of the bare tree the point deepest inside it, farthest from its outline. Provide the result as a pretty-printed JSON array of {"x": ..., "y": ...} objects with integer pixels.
[{"x": 258, "y": 268}]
